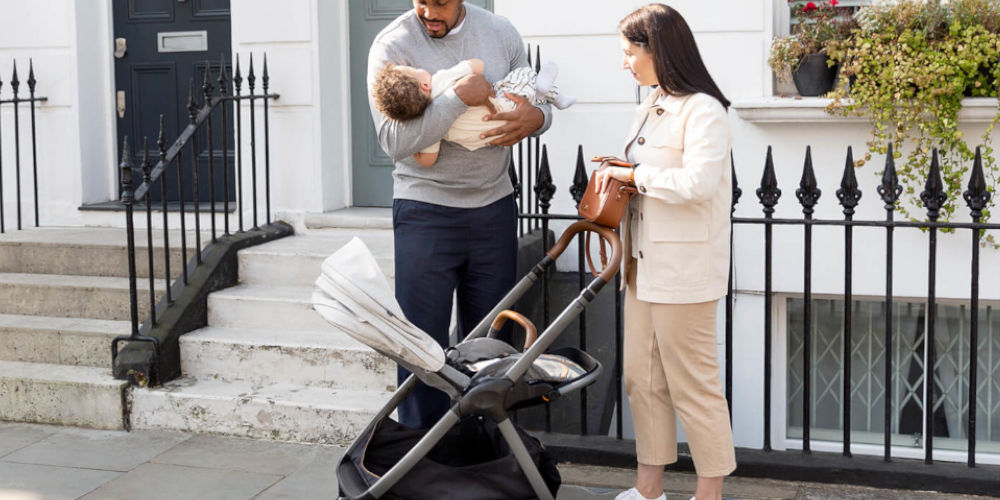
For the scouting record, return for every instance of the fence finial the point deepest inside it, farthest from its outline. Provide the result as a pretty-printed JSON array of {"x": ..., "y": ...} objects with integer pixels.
[
  {"x": 544, "y": 188},
  {"x": 14, "y": 82},
  {"x": 933, "y": 195},
  {"x": 737, "y": 192},
  {"x": 849, "y": 194},
  {"x": 238, "y": 76},
  {"x": 31, "y": 76},
  {"x": 251, "y": 77},
  {"x": 512, "y": 172},
  {"x": 192, "y": 106},
  {"x": 580, "y": 179},
  {"x": 808, "y": 192},
  {"x": 890, "y": 189},
  {"x": 768, "y": 193},
  {"x": 126, "y": 173},
  {"x": 977, "y": 196},
  {"x": 206, "y": 86}
]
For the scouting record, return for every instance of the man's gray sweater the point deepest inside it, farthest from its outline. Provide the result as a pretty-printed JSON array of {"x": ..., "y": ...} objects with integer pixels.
[{"x": 460, "y": 178}]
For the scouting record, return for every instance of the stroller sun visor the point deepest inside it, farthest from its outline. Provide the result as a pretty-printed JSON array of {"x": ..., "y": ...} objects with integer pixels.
[{"x": 355, "y": 296}]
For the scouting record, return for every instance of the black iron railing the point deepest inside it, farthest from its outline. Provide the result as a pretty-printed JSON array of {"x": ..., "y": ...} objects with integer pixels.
[
  {"x": 849, "y": 194},
  {"x": 19, "y": 104},
  {"x": 210, "y": 105}
]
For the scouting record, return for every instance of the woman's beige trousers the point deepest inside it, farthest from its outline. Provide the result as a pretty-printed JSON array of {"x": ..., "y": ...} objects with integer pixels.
[{"x": 671, "y": 368}]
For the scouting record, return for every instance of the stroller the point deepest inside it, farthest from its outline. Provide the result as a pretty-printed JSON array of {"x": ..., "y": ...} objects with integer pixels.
[{"x": 474, "y": 450}]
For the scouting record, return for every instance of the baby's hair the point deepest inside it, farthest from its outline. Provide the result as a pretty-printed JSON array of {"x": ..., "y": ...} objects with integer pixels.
[{"x": 398, "y": 95}]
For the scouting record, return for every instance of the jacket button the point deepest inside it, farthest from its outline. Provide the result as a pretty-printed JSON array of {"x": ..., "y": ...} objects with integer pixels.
[
  {"x": 659, "y": 112},
  {"x": 642, "y": 189},
  {"x": 641, "y": 141},
  {"x": 640, "y": 254},
  {"x": 640, "y": 215}
]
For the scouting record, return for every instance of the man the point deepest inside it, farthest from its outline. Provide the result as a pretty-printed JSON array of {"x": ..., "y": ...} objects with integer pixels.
[{"x": 453, "y": 223}]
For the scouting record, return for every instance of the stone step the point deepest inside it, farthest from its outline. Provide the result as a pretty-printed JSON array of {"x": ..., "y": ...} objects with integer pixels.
[
  {"x": 313, "y": 359},
  {"x": 296, "y": 260},
  {"x": 64, "y": 341},
  {"x": 283, "y": 412},
  {"x": 79, "y": 396},
  {"x": 353, "y": 217},
  {"x": 264, "y": 307},
  {"x": 67, "y": 296},
  {"x": 87, "y": 251}
]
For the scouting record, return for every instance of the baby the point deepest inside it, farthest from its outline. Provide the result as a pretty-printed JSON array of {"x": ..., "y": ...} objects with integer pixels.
[{"x": 404, "y": 92}]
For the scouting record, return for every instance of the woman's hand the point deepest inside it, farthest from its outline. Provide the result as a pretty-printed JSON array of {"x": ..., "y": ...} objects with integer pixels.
[{"x": 621, "y": 173}]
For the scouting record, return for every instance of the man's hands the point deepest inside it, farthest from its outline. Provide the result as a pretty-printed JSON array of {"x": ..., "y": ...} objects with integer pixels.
[
  {"x": 521, "y": 122},
  {"x": 474, "y": 90}
]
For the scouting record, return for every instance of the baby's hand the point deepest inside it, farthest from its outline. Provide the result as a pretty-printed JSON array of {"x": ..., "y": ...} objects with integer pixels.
[{"x": 477, "y": 66}]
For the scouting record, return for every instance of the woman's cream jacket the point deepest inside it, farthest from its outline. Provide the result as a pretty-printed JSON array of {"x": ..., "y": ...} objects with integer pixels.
[{"x": 679, "y": 223}]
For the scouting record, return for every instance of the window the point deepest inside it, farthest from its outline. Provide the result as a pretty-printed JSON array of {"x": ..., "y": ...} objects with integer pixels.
[{"x": 868, "y": 382}]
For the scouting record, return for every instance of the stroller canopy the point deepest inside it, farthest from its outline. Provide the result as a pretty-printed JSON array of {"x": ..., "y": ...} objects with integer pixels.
[{"x": 355, "y": 296}]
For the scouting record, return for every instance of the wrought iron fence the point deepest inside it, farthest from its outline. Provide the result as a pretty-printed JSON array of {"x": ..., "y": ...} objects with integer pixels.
[
  {"x": 18, "y": 103},
  {"x": 800, "y": 362},
  {"x": 219, "y": 103}
]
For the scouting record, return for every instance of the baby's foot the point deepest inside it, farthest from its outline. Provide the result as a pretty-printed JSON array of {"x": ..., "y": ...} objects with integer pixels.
[
  {"x": 546, "y": 77},
  {"x": 563, "y": 101}
]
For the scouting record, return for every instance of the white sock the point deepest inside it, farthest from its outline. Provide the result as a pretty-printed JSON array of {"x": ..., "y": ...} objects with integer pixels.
[
  {"x": 547, "y": 74},
  {"x": 563, "y": 101}
]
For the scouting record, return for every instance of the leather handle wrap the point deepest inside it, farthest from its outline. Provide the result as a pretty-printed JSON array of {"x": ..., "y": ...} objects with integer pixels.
[
  {"x": 530, "y": 332},
  {"x": 605, "y": 233}
]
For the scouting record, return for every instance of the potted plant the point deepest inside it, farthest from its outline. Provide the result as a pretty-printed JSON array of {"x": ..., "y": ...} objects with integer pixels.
[
  {"x": 802, "y": 55},
  {"x": 910, "y": 64}
]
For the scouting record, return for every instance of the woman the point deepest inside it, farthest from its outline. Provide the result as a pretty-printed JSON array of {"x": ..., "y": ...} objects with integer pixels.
[{"x": 676, "y": 259}]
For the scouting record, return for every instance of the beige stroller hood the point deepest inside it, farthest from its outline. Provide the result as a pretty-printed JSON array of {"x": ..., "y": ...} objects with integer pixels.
[{"x": 355, "y": 296}]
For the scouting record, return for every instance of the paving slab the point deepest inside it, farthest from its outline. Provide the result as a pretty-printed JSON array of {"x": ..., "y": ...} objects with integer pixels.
[
  {"x": 14, "y": 436},
  {"x": 245, "y": 455},
  {"x": 316, "y": 479},
  {"x": 45, "y": 482},
  {"x": 101, "y": 450},
  {"x": 171, "y": 482}
]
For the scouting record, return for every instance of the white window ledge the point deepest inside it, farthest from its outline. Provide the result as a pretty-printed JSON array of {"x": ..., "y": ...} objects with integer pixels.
[{"x": 813, "y": 110}]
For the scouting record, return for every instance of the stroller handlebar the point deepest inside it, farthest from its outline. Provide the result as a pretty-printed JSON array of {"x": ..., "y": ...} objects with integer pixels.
[
  {"x": 530, "y": 332},
  {"x": 605, "y": 233}
]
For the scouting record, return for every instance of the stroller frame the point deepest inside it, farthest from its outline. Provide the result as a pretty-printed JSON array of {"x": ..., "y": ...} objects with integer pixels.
[{"x": 486, "y": 396}]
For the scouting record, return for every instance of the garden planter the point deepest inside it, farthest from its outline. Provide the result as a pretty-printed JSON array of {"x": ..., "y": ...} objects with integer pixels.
[{"x": 813, "y": 77}]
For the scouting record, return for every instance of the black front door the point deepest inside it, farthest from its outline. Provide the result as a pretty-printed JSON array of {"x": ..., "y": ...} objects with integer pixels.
[{"x": 160, "y": 45}]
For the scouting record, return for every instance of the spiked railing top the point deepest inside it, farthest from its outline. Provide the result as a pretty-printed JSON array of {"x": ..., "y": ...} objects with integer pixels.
[
  {"x": 514, "y": 181},
  {"x": 14, "y": 82},
  {"x": 977, "y": 196},
  {"x": 933, "y": 195},
  {"x": 31, "y": 76},
  {"x": 206, "y": 86},
  {"x": 126, "y": 172},
  {"x": 192, "y": 106},
  {"x": 849, "y": 194},
  {"x": 238, "y": 76},
  {"x": 768, "y": 193},
  {"x": 737, "y": 192},
  {"x": 544, "y": 188},
  {"x": 580, "y": 179},
  {"x": 808, "y": 192},
  {"x": 221, "y": 81},
  {"x": 264, "y": 78},
  {"x": 890, "y": 189},
  {"x": 251, "y": 77},
  {"x": 146, "y": 166}
]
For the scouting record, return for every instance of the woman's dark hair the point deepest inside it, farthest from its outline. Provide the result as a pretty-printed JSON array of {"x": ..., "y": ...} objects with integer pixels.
[{"x": 679, "y": 68}]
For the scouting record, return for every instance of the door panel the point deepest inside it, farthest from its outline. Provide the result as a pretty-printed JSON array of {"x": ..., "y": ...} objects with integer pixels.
[
  {"x": 372, "y": 168},
  {"x": 155, "y": 80}
]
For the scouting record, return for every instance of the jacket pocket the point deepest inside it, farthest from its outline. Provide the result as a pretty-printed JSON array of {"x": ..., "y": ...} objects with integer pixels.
[{"x": 679, "y": 223}]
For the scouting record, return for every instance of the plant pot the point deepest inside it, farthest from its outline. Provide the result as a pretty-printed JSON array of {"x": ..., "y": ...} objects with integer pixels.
[{"x": 813, "y": 77}]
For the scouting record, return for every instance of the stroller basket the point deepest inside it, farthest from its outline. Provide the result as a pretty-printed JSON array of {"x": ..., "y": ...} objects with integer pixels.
[{"x": 474, "y": 451}]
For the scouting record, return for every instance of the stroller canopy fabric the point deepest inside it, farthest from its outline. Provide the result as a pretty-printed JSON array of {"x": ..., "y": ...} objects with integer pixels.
[{"x": 355, "y": 296}]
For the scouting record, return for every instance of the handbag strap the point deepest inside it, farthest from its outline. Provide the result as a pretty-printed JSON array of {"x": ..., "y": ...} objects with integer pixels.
[{"x": 590, "y": 260}]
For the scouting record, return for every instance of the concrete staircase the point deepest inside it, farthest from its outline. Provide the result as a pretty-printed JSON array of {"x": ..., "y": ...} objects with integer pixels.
[
  {"x": 63, "y": 297},
  {"x": 267, "y": 365}
]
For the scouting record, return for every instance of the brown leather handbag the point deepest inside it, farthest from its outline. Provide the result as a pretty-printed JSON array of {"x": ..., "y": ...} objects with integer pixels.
[{"x": 606, "y": 207}]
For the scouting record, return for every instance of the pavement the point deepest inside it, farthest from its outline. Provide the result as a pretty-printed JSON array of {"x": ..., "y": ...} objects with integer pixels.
[{"x": 40, "y": 462}]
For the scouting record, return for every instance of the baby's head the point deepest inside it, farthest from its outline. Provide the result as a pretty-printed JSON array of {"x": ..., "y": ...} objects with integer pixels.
[{"x": 402, "y": 92}]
